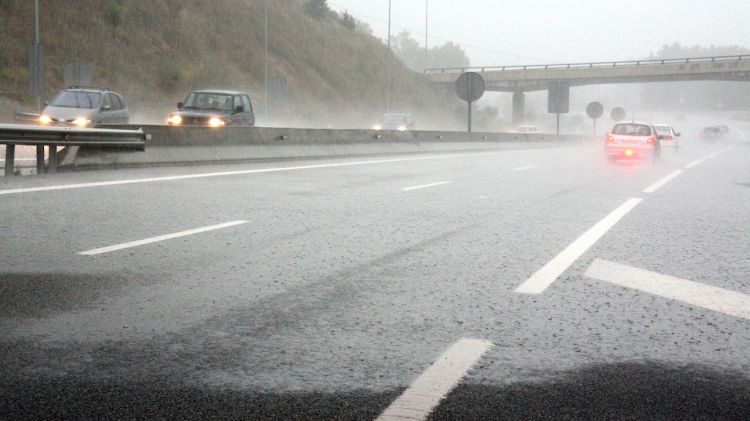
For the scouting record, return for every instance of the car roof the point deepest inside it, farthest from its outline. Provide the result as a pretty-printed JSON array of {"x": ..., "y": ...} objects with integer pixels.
[
  {"x": 662, "y": 124},
  {"x": 633, "y": 122},
  {"x": 87, "y": 89},
  {"x": 218, "y": 91}
]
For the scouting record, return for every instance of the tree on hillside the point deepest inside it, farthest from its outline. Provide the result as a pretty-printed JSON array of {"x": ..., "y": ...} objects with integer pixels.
[
  {"x": 677, "y": 50},
  {"x": 697, "y": 95},
  {"x": 414, "y": 56},
  {"x": 317, "y": 8},
  {"x": 348, "y": 21}
]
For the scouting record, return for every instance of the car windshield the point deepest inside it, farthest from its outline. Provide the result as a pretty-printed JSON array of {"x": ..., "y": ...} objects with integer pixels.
[
  {"x": 662, "y": 129},
  {"x": 210, "y": 101},
  {"x": 77, "y": 99},
  {"x": 395, "y": 118},
  {"x": 631, "y": 130}
]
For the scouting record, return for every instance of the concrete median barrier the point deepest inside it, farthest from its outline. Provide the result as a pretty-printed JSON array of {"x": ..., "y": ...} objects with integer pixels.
[{"x": 201, "y": 145}]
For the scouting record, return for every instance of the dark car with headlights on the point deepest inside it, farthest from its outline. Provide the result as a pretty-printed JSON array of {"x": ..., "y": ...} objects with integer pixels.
[{"x": 214, "y": 109}]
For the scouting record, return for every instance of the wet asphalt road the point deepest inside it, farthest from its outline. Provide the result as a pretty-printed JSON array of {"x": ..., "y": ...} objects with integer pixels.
[{"x": 344, "y": 283}]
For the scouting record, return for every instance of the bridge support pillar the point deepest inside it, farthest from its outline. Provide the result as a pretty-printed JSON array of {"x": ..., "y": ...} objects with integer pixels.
[
  {"x": 10, "y": 159},
  {"x": 519, "y": 105}
]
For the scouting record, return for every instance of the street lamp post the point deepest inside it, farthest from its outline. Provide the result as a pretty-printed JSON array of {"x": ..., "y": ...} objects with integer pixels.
[
  {"x": 265, "y": 59},
  {"x": 36, "y": 42},
  {"x": 39, "y": 149},
  {"x": 388, "y": 65},
  {"x": 426, "y": 31}
]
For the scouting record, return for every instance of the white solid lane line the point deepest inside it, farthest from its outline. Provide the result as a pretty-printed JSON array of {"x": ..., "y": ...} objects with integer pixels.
[
  {"x": 694, "y": 293},
  {"x": 695, "y": 163},
  {"x": 530, "y": 167},
  {"x": 245, "y": 172},
  {"x": 702, "y": 160},
  {"x": 425, "y": 394},
  {"x": 548, "y": 274},
  {"x": 159, "y": 238},
  {"x": 659, "y": 184},
  {"x": 424, "y": 186}
]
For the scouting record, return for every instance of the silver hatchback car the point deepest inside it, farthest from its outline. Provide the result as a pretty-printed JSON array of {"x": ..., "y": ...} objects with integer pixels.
[{"x": 85, "y": 107}]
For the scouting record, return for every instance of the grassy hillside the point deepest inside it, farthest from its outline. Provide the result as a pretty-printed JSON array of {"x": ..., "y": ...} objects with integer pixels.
[{"x": 154, "y": 51}]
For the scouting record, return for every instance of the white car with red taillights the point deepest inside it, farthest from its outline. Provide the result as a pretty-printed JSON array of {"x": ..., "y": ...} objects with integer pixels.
[
  {"x": 667, "y": 135},
  {"x": 632, "y": 141}
]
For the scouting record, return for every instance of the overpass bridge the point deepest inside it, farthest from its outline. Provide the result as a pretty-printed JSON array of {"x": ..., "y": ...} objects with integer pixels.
[{"x": 528, "y": 78}]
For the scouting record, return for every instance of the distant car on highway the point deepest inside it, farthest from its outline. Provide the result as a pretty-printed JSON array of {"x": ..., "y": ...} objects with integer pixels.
[
  {"x": 632, "y": 141},
  {"x": 214, "y": 108},
  {"x": 396, "y": 121},
  {"x": 527, "y": 129},
  {"x": 712, "y": 133},
  {"x": 85, "y": 107},
  {"x": 667, "y": 135}
]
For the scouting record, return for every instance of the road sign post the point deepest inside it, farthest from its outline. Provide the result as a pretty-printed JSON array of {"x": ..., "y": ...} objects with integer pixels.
[
  {"x": 618, "y": 114},
  {"x": 77, "y": 73},
  {"x": 470, "y": 87},
  {"x": 558, "y": 99},
  {"x": 595, "y": 110}
]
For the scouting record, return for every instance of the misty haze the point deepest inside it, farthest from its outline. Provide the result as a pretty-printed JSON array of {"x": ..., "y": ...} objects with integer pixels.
[{"x": 374, "y": 210}]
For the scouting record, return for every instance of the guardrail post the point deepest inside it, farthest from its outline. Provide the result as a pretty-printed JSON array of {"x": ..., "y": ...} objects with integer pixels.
[
  {"x": 53, "y": 159},
  {"x": 10, "y": 159}
]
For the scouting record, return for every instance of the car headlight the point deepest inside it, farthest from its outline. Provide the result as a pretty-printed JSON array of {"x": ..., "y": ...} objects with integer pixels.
[
  {"x": 402, "y": 128},
  {"x": 377, "y": 127},
  {"x": 216, "y": 122},
  {"x": 81, "y": 122},
  {"x": 45, "y": 119},
  {"x": 174, "y": 120}
]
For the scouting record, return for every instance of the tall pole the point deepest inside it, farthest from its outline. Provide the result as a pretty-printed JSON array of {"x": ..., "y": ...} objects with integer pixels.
[
  {"x": 426, "y": 30},
  {"x": 36, "y": 41},
  {"x": 39, "y": 149},
  {"x": 388, "y": 65},
  {"x": 265, "y": 59}
]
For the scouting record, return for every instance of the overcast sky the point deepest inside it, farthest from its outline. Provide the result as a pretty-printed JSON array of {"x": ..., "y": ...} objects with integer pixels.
[{"x": 495, "y": 32}]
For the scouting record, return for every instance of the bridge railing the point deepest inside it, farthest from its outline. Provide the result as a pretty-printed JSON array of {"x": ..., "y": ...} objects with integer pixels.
[{"x": 600, "y": 64}]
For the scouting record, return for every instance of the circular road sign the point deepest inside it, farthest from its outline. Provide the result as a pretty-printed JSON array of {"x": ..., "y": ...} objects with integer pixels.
[
  {"x": 595, "y": 110},
  {"x": 618, "y": 114},
  {"x": 470, "y": 86},
  {"x": 77, "y": 73}
]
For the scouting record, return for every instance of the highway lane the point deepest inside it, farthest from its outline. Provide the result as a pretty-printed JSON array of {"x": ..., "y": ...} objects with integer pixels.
[{"x": 347, "y": 282}]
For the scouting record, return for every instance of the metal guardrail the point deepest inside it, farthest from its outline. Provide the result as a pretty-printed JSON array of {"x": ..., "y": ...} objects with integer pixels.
[
  {"x": 601, "y": 64},
  {"x": 56, "y": 136},
  {"x": 27, "y": 117}
]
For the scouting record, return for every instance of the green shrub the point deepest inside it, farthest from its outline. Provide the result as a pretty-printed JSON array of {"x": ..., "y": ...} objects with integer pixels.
[
  {"x": 169, "y": 78},
  {"x": 113, "y": 14}
]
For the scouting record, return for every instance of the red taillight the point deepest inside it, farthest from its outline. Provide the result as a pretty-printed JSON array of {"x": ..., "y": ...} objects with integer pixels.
[
  {"x": 668, "y": 138},
  {"x": 650, "y": 140},
  {"x": 610, "y": 138},
  {"x": 629, "y": 152}
]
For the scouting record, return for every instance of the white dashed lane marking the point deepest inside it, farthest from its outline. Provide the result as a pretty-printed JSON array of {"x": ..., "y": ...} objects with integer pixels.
[
  {"x": 544, "y": 277},
  {"x": 425, "y": 394},
  {"x": 425, "y": 186},
  {"x": 526, "y": 168},
  {"x": 661, "y": 183},
  {"x": 152, "y": 240}
]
